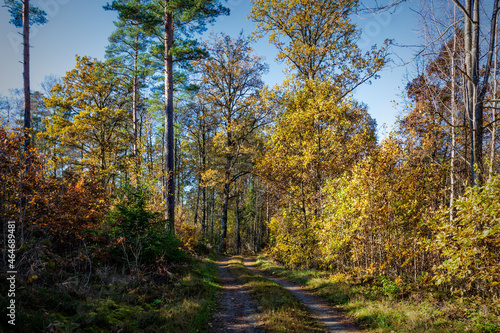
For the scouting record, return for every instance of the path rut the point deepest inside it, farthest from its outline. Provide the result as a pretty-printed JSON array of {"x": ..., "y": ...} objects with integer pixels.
[
  {"x": 238, "y": 312},
  {"x": 332, "y": 319}
]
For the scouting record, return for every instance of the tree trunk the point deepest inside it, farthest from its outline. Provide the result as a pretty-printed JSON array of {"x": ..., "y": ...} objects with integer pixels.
[
  {"x": 197, "y": 206},
  {"x": 469, "y": 82},
  {"x": 255, "y": 221},
  {"x": 495, "y": 104},
  {"x": 477, "y": 116},
  {"x": 237, "y": 234},
  {"x": 177, "y": 167},
  {"x": 212, "y": 211},
  {"x": 453, "y": 114},
  {"x": 223, "y": 234},
  {"x": 204, "y": 189},
  {"x": 26, "y": 77},
  {"x": 134, "y": 100},
  {"x": 204, "y": 211},
  {"x": 268, "y": 220},
  {"x": 227, "y": 186},
  {"x": 169, "y": 122},
  {"x": 475, "y": 95}
]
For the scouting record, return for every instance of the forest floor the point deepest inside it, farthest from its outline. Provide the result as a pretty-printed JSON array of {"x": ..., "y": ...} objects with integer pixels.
[
  {"x": 253, "y": 301},
  {"x": 234, "y": 294},
  {"x": 178, "y": 300}
]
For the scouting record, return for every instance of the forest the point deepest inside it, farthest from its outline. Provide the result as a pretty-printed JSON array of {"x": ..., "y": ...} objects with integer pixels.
[{"x": 134, "y": 187}]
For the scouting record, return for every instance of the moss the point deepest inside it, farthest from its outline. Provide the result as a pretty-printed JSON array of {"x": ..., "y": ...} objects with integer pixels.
[{"x": 123, "y": 306}]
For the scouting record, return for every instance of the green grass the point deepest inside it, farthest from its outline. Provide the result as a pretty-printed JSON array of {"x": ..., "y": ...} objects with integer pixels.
[
  {"x": 381, "y": 305},
  {"x": 180, "y": 302},
  {"x": 281, "y": 312}
]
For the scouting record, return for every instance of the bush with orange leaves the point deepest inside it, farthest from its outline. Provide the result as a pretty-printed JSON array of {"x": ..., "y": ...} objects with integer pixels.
[
  {"x": 70, "y": 208},
  {"x": 66, "y": 210}
]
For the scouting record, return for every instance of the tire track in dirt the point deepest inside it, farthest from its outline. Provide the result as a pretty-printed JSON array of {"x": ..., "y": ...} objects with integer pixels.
[
  {"x": 332, "y": 319},
  {"x": 237, "y": 311}
]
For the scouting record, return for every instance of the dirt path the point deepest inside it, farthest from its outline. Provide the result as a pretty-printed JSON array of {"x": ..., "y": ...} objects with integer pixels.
[
  {"x": 331, "y": 318},
  {"x": 237, "y": 311}
]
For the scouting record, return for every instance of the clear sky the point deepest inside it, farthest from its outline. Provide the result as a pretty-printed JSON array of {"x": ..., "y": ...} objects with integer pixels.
[{"x": 82, "y": 27}]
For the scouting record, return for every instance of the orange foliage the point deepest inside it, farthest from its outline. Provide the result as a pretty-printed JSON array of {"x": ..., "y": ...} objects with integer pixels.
[
  {"x": 65, "y": 208},
  {"x": 71, "y": 206}
]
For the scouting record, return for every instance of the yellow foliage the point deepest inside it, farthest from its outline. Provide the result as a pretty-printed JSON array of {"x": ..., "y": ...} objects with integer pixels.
[
  {"x": 470, "y": 243},
  {"x": 88, "y": 128},
  {"x": 317, "y": 40}
]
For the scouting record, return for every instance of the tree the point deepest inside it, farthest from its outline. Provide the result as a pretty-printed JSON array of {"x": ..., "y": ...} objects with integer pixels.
[
  {"x": 20, "y": 12},
  {"x": 231, "y": 81},
  {"x": 317, "y": 40},
  {"x": 314, "y": 140},
  {"x": 128, "y": 45},
  {"x": 88, "y": 127},
  {"x": 187, "y": 18},
  {"x": 320, "y": 132},
  {"x": 476, "y": 59},
  {"x": 436, "y": 126},
  {"x": 476, "y": 90},
  {"x": 200, "y": 127}
]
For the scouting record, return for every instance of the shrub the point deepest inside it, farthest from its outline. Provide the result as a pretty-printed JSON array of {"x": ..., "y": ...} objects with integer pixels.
[
  {"x": 140, "y": 233},
  {"x": 470, "y": 243}
]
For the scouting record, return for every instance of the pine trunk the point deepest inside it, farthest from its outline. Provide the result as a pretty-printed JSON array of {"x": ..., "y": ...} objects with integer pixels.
[
  {"x": 169, "y": 123},
  {"x": 26, "y": 76},
  {"x": 134, "y": 101}
]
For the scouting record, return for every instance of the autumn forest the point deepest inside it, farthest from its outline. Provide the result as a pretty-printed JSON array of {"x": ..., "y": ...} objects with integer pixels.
[{"x": 136, "y": 188}]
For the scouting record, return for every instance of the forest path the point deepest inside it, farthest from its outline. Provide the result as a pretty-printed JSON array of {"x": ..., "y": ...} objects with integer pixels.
[
  {"x": 332, "y": 319},
  {"x": 237, "y": 311}
]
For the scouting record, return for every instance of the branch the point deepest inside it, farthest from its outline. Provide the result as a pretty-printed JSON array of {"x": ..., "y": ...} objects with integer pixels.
[
  {"x": 491, "y": 123},
  {"x": 463, "y": 10}
]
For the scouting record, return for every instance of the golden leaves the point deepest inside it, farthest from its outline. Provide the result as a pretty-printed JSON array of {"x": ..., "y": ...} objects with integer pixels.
[
  {"x": 317, "y": 40},
  {"x": 88, "y": 118}
]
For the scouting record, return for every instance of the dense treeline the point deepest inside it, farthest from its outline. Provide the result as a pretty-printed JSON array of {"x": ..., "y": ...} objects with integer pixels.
[
  {"x": 296, "y": 169},
  {"x": 420, "y": 206}
]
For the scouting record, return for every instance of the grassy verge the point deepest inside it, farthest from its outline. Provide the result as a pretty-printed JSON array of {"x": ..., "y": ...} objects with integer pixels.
[
  {"x": 281, "y": 311},
  {"x": 179, "y": 301},
  {"x": 384, "y": 306}
]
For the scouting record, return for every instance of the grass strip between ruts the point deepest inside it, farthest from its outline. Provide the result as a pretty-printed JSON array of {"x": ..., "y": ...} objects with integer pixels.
[{"x": 281, "y": 312}]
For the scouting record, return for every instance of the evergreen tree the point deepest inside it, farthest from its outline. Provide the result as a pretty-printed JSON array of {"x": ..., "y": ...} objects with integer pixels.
[
  {"x": 161, "y": 18},
  {"x": 23, "y": 15}
]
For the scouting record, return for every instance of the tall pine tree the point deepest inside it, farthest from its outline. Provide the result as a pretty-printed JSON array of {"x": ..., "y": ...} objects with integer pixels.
[
  {"x": 174, "y": 22},
  {"x": 23, "y": 15}
]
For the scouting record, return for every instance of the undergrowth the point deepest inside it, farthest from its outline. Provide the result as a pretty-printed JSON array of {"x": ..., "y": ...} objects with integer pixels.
[
  {"x": 280, "y": 310},
  {"x": 383, "y": 305},
  {"x": 178, "y": 300}
]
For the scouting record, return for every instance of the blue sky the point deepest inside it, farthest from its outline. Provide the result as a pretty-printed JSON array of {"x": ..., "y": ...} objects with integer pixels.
[{"x": 82, "y": 27}]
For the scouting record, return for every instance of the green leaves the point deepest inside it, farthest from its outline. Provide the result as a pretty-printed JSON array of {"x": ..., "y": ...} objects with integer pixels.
[
  {"x": 37, "y": 16},
  {"x": 141, "y": 232}
]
